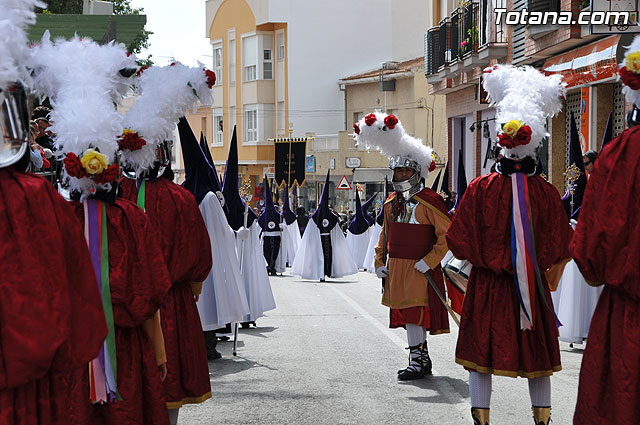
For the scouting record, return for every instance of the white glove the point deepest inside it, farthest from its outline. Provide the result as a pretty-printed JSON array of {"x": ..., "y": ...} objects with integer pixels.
[
  {"x": 573, "y": 223},
  {"x": 382, "y": 272},
  {"x": 242, "y": 234},
  {"x": 422, "y": 267},
  {"x": 282, "y": 226}
]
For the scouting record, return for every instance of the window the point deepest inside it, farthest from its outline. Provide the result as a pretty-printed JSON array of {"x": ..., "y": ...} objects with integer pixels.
[
  {"x": 217, "y": 63},
  {"x": 267, "y": 65},
  {"x": 357, "y": 116},
  {"x": 249, "y": 62},
  {"x": 280, "y": 44},
  {"x": 251, "y": 125},
  {"x": 232, "y": 61},
  {"x": 218, "y": 128}
]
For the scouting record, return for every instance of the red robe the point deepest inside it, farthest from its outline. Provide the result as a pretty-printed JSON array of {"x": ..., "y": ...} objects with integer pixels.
[
  {"x": 139, "y": 282},
  {"x": 606, "y": 247},
  {"x": 51, "y": 318},
  {"x": 184, "y": 240},
  {"x": 490, "y": 339}
]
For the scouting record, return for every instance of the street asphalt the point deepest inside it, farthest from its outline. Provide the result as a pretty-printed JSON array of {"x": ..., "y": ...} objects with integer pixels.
[{"x": 327, "y": 356}]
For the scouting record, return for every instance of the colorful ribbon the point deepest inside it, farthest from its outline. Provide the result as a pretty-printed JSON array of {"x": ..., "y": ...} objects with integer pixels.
[
  {"x": 141, "y": 201},
  {"x": 103, "y": 369},
  {"x": 526, "y": 273}
]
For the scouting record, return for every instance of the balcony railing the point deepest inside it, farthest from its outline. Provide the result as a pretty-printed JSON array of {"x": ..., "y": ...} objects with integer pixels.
[{"x": 466, "y": 32}]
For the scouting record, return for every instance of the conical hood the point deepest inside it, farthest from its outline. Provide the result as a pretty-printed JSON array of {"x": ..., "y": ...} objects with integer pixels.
[
  {"x": 445, "y": 180},
  {"x": 365, "y": 210},
  {"x": 434, "y": 186},
  {"x": 230, "y": 190},
  {"x": 358, "y": 225},
  {"x": 324, "y": 218},
  {"x": 207, "y": 153},
  {"x": 575, "y": 158},
  {"x": 462, "y": 178},
  {"x": 270, "y": 219},
  {"x": 288, "y": 215},
  {"x": 198, "y": 174},
  {"x": 608, "y": 132}
]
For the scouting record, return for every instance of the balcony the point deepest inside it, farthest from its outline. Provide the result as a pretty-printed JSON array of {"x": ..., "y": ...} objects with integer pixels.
[{"x": 463, "y": 41}]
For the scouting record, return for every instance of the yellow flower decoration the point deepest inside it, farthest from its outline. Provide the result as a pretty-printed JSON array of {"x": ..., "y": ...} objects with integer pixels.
[
  {"x": 127, "y": 131},
  {"x": 94, "y": 162},
  {"x": 511, "y": 127},
  {"x": 633, "y": 62}
]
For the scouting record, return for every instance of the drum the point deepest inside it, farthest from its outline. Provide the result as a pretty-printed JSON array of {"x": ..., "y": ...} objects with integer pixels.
[{"x": 457, "y": 272}]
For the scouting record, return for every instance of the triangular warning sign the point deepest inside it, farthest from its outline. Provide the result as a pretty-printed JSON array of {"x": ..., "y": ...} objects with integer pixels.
[{"x": 344, "y": 184}]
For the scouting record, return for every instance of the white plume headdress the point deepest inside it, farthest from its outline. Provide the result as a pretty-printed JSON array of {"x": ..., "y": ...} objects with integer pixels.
[
  {"x": 524, "y": 98},
  {"x": 629, "y": 72},
  {"x": 82, "y": 80},
  {"x": 385, "y": 134},
  {"x": 15, "y": 15},
  {"x": 165, "y": 94}
]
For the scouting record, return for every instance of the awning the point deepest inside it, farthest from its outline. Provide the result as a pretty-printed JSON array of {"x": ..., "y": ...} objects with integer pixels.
[
  {"x": 372, "y": 175},
  {"x": 593, "y": 62}
]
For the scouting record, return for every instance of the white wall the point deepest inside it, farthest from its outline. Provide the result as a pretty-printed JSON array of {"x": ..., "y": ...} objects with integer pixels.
[
  {"x": 326, "y": 41},
  {"x": 486, "y": 114}
]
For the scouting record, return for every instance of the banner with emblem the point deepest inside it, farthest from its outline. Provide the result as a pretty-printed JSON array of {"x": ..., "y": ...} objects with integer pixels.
[{"x": 290, "y": 160}]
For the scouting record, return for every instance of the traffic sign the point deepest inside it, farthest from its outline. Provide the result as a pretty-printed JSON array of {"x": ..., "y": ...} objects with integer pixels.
[{"x": 344, "y": 184}]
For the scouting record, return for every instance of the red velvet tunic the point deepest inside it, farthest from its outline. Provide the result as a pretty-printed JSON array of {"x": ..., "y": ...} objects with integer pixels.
[
  {"x": 139, "y": 283},
  {"x": 51, "y": 318},
  {"x": 606, "y": 248},
  {"x": 184, "y": 239},
  {"x": 490, "y": 339}
]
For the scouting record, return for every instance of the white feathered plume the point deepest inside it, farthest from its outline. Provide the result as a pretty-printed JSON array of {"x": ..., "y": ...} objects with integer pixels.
[
  {"x": 15, "y": 15},
  {"x": 82, "y": 80},
  {"x": 386, "y": 135},
  {"x": 165, "y": 94},
  {"x": 526, "y": 96},
  {"x": 631, "y": 64}
]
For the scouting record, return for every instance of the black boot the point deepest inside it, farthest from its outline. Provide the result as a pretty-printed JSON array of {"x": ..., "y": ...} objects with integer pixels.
[
  {"x": 416, "y": 369},
  {"x": 480, "y": 416},
  {"x": 211, "y": 341},
  {"x": 541, "y": 415},
  {"x": 426, "y": 361}
]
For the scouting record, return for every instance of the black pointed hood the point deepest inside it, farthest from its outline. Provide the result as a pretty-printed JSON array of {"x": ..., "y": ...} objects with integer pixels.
[
  {"x": 575, "y": 157},
  {"x": 270, "y": 219},
  {"x": 371, "y": 219},
  {"x": 608, "y": 132},
  {"x": 198, "y": 174},
  {"x": 324, "y": 218},
  {"x": 434, "y": 186},
  {"x": 207, "y": 153},
  {"x": 230, "y": 189},
  {"x": 288, "y": 215},
  {"x": 359, "y": 224},
  {"x": 462, "y": 178}
]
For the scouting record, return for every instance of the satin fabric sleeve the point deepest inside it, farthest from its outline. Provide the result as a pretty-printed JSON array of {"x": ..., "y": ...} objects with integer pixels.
[
  {"x": 607, "y": 238},
  {"x": 196, "y": 288},
  {"x": 380, "y": 257},
  {"x": 427, "y": 215}
]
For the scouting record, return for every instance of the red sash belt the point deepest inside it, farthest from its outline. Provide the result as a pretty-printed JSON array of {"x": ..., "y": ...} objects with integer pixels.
[{"x": 410, "y": 241}]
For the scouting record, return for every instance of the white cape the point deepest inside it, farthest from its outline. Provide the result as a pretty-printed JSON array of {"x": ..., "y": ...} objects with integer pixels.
[
  {"x": 256, "y": 280},
  {"x": 358, "y": 245},
  {"x": 370, "y": 259},
  {"x": 223, "y": 299},
  {"x": 574, "y": 302},
  {"x": 291, "y": 241},
  {"x": 309, "y": 261}
]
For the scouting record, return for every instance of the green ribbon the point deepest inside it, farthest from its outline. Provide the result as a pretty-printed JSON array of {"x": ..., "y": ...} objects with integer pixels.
[{"x": 141, "y": 195}]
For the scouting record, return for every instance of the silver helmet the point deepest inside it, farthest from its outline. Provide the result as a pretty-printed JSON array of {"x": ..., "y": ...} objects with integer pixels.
[
  {"x": 14, "y": 123},
  {"x": 411, "y": 186}
]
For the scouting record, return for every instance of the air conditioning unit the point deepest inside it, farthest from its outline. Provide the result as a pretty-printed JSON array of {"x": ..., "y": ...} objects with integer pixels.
[{"x": 95, "y": 7}]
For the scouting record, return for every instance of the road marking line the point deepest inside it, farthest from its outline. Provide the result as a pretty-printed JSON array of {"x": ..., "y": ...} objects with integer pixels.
[{"x": 462, "y": 407}]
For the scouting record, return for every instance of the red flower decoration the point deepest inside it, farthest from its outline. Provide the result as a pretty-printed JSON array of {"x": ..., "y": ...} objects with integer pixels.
[
  {"x": 356, "y": 129},
  {"x": 73, "y": 166},
  {"x": 390, "y": 121},
  {"x": 523, "y": 137},
  {"x": 370, "y": 119},
  {"x": 141, "y": 70},
  {"x": 432, "y": 166},
  {"x": 629, "y": 79},
  {"x": 211, "y": 77},
  {"x": 131, "y": 141},
  {"x": 107, "y": 176},
  {"x": 173, "y": 63}
]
